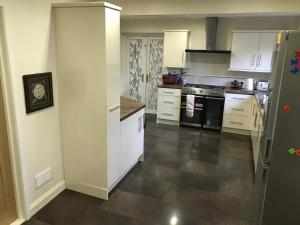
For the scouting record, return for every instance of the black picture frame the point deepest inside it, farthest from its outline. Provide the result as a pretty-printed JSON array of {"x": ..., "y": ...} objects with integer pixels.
[{"x": 38, "y": 91}]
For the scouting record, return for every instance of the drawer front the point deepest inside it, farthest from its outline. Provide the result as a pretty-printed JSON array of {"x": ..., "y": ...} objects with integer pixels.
[
  {"x": 238, "y": 108},
  {"x": 169, "y": 91},
  {"x": 236, "y": 122},
  {"x": 168, "y": 113},
  {"x": 166, "y": 101},
  {"x": 239, "y": 98}
]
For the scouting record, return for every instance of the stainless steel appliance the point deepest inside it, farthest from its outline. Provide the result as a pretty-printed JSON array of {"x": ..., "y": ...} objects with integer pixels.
[
  {"x": 263, "y": 85},
  {"x": 208, "y": 106},
  {"x": 277, "y": 184}
]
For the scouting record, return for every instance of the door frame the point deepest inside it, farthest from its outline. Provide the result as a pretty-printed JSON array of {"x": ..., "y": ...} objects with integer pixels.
[{"x": 11, "y": 126}]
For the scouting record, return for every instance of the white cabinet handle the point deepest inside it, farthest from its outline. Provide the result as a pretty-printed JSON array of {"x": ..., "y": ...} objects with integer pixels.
[
  {"x": 182, "y": 58},
  {"x": 167, "y": 114},
  {"x": 114, "y": 108}
]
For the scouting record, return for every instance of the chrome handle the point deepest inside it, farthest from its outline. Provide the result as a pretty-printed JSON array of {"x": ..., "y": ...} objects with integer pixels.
[
  {"x": 236, "y": 109},
  {"x": 232, "y": 122},
  {"x": 254, "y": 57},
  {"x": 196, "y": 109},
  {"x": 195, "y": 96},
  {"x": 167, "y": 114},
  {"x": 113, "y": 109},
  {"x": 259, "y": 60},
  {"x": 236, "y": 98},
  {"x": 251, "y": 60},
  {"x": 214, "y": 98},
  {"x": 168, "y": 92},
  {"x": 168, "y": 102},
  {"x": 147, "y": 78}
]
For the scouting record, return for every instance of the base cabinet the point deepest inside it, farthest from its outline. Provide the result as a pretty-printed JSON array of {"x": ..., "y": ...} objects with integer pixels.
[{"x": 132, "y": 141}]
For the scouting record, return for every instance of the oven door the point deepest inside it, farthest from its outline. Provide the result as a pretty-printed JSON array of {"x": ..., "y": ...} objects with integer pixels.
[
  {"x": 195, "y": 121},
  {"x": 214, "y": 107}
]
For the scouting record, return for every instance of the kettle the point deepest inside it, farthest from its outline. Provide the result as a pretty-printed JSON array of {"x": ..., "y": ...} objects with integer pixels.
[{"x": 249, "y": 84}]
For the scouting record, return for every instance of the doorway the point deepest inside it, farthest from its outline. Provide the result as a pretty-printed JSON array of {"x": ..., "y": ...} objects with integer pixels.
[
  {"x": 144, "y": 67},
  {"x": 8, "y": 210}
]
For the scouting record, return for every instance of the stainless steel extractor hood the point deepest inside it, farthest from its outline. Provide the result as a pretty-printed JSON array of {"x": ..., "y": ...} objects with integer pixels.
[{"x": 211, "y": 28}]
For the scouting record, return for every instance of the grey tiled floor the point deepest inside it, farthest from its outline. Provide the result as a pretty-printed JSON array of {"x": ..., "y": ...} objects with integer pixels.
[{"x": 189, "y": 176}]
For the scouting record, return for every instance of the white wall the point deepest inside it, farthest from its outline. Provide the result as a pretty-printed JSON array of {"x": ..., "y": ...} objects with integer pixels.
[
  {"x": 180, "y": 7},
  {"x": 159, "y": 24},
  {"x": 30, "y": 49}
]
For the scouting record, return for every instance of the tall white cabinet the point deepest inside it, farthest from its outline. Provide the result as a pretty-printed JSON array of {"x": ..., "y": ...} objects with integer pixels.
[
  {"x": 88, "y": 69},
  {"x": 252, "y": 51}
]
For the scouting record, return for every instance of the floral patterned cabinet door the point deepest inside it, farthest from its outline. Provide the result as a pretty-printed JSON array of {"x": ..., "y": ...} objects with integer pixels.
[
  {"x": 154, "y": 71},
  {"x": 136, "y": 67}
]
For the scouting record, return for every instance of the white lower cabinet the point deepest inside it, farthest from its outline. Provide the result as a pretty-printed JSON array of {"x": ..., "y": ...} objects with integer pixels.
[
  {"x": 168, "y": 106},
  {"x": 256, "y": 132},
  {"x": 237, "y": 112},
  {"x": 132, "y": 141}
]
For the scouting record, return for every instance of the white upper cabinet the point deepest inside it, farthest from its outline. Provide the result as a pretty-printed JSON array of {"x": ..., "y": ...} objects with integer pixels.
[
  {"x": 175, "y": 43},
  {"x": 252, "y": 51},
  {"x": 266, "y": 50}
]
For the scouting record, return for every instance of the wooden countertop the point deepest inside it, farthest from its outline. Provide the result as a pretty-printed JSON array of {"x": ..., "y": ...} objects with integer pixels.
[
  {"x": 174, "y": 86},
  {"x": 129, "y": 107}
]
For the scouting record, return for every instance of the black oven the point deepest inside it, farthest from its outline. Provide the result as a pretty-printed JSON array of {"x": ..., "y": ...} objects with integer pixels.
[
  {"x": 198, "y": 116},
  {"x": 213, "y": 108},
  {"x": 208, "y": 112}
]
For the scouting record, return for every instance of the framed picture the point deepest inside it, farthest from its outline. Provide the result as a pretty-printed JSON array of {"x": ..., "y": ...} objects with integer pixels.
[{"x": 38, "y": 91}]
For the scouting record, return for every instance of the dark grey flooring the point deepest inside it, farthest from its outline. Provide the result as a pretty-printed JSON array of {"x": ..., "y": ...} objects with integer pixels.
[{"x": 189, "y": 177}]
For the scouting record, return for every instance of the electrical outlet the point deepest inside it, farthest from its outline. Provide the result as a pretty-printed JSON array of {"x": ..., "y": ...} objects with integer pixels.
[{"x": 43, "y": 177}]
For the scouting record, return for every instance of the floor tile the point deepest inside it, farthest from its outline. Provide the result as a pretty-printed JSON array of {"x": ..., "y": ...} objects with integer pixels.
[{"x": 189, "y": 176}]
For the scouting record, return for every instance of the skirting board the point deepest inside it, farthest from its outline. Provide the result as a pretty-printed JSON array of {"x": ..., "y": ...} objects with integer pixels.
[
  {"x": 46, "y": 198},
  {"x": 168, "y": 122},
  {"x": 18, "y": 222},
  {"x": 87, "y": 189},
  {"x": 236, "y": 131}
]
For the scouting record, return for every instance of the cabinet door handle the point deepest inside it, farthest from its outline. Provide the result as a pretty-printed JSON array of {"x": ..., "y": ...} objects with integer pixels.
[
  {"x": 236, "y": 109},
  {"x": 169, "y": 92},
  {"x": 259, "y": 60},
  {"x": 239, "y": 123},
  {"x": 167, "y": 114},
  {"x": 236, "y": 98},
  {"x": 114, "y": 108},
  {"x": 168, "y": 102},
  {"x": 182, "y": 58}
]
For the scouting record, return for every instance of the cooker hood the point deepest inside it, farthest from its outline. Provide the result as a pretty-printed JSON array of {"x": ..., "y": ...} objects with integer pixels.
[{"x": 211, "y": 27}]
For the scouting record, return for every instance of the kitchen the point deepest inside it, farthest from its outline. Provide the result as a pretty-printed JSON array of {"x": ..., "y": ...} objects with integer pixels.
[
  {"x": 234, "y": 101},
  {"x": 93, "y": 139}
]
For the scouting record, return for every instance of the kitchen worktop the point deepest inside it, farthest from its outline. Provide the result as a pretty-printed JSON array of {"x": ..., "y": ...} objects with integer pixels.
[
  {"x": 174, "y": 86},
  {"x": 129, "y": 107},
  {"x": 240, "y": 91}
]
